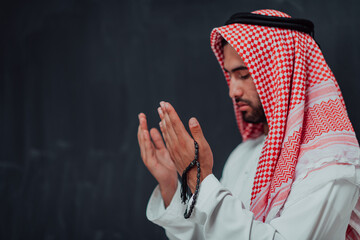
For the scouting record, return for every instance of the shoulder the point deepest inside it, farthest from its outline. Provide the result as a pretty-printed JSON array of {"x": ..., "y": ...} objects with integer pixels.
[{"x": 318, "y": 178}]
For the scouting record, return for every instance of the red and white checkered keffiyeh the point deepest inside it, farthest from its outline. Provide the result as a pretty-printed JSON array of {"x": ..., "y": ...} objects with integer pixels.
[{"x": 308, "y": 124}]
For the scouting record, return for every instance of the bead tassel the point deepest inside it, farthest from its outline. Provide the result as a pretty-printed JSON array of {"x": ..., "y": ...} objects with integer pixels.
[{"x": 185, "y": 195}]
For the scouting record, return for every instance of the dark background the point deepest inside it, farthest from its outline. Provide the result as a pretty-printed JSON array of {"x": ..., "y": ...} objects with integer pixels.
[{"x": 74, "y": 76}]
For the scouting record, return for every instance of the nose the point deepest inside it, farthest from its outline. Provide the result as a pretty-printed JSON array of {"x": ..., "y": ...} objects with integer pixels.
[{"x": 235, "y": 90}]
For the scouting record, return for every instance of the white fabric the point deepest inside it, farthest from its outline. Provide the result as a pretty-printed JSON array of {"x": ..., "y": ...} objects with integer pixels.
[{"x": 222, "y": 209}]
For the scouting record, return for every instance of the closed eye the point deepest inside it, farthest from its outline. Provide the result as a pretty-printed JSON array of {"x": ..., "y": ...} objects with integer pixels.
[{"x": 245, "y": 76}]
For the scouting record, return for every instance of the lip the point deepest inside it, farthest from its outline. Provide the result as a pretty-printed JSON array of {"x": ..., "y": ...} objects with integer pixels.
[{"x": 243, "y": 106}]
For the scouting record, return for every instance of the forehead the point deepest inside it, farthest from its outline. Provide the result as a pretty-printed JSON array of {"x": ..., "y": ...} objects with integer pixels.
[{"x": 231, "y": 57}]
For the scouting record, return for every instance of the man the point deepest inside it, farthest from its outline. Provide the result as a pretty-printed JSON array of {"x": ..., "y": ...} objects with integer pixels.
[{"x": 296, "y": 174}]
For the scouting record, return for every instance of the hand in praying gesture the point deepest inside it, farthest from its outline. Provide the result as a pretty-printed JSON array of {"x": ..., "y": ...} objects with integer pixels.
[
  {"x": 181, "y": 145},
  {"x": 157, "y": 159}
]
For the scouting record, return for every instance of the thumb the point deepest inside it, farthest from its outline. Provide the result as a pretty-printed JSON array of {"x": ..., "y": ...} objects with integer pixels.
[{"x": 195, "y": 130}]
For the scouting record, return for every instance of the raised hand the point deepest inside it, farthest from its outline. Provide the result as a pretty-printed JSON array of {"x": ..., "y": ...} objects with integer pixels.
[
  {"x": 157, "y": 159},
  {"x": 181, "y": 145}
]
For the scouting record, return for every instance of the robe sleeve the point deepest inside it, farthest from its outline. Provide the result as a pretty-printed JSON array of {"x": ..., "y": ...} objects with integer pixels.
[
  {"x": 172, "y": 218},
  {"x": 322, "y": 213}
]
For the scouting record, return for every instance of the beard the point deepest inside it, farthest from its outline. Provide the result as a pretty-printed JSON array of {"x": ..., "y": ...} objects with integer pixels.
[{"x": 256, "y": 115}]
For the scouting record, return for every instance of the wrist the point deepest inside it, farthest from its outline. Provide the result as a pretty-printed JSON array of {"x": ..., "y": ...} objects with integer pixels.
[
  {"x": 167, "y": 191},
  {"x": 192, "y": 178}
]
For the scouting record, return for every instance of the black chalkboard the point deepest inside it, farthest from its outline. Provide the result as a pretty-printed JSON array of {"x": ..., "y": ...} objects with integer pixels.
[{"x": 74, "y": 76}]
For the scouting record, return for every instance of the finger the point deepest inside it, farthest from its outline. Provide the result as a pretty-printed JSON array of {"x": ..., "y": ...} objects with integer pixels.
[
  {"x": 163, "y": 126},
  {"x": 165, "y": 134},
  {"x": 143, "y": 122},
  {"x": 139, "y": 133},
  {"x": 157, "y": 139},
  {"x": 172, "y": 135},
  {"x": 149, "y": 147},
  {"x": 161, "y": 113},
  {"x": 142, "y": 126},
  {"x": 166, "y": 138},
  {"x": 175, "y": 121},
  {"x": 141, "y": 143},
  {"x": 195, "y": 130},
  {"x": 144, "y": 142}
]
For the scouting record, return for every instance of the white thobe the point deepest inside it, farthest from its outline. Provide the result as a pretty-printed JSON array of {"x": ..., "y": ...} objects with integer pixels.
[{"x": 222, "y": 209}]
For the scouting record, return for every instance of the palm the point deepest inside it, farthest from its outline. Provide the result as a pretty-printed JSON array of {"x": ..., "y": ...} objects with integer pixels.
[
  {"x": 161, "y": 165},
  {"x": 155, "y": 155}
]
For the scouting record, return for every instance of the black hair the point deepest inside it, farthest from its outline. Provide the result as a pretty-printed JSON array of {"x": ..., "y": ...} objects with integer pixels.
[{"x": 223, "y": 42}]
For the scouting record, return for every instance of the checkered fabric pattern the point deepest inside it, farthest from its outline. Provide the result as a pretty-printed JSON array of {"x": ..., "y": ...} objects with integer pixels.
[{"x": 303, "y": 105}]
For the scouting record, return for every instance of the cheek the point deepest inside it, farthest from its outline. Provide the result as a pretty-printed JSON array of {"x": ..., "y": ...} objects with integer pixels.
[
  {"x": 250, "y": 87},
  {"x": 255, "y": 97}
]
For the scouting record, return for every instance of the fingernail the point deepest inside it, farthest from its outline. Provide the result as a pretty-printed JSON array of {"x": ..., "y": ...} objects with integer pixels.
[
  {"x": 193, "y": 122},
  {"x": 160, "y": 124},
  {"x": 167, "y": 106},
  {"x": 160, "y": 111},
  {"x": 162, "y": 103}
]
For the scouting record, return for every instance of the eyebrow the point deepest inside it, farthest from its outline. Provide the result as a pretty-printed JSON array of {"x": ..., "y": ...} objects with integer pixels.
[{"x": 236, "y": 69}]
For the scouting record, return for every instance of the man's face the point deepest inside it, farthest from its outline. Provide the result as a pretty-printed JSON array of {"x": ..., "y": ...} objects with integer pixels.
[{"x": 242, "y": 87}]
